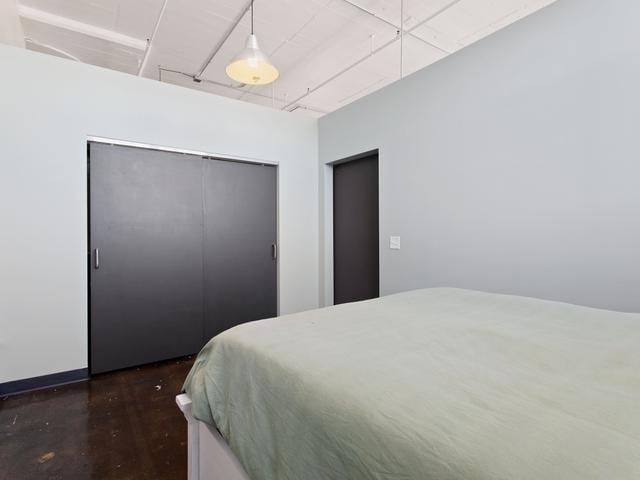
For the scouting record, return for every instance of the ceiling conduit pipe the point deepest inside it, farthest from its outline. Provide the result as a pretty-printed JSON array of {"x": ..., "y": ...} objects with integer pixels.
[{"x": 57, "y": 50}]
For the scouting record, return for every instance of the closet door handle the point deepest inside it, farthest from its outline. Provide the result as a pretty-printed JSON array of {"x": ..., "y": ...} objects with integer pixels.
[
  {"x": 274, "y": 251},
  {"x": 96, "y": 258}
]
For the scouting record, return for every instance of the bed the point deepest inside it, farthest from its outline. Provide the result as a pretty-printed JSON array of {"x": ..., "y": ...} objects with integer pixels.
[{"x": 442, "y": 384}]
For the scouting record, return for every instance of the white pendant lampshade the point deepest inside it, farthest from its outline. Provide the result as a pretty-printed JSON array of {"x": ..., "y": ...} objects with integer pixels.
[{"x": 252, "y": 66}]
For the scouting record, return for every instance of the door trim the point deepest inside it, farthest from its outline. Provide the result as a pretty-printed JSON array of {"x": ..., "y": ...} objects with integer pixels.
[
  {"x": 326, "y": 223},
  {"x": 164, "y": 148},
  {"x": 357, "y": 156}
]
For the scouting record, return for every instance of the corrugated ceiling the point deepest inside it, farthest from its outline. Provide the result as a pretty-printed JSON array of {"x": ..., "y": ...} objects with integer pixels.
[{"x": 329, "y": 52}]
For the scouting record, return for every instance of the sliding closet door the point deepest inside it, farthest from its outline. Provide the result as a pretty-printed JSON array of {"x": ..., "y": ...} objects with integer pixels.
[
  {"x": 240, "y": 267},
  {"x": 356, "y": 238},
  {"x": 146, "y": 296}
]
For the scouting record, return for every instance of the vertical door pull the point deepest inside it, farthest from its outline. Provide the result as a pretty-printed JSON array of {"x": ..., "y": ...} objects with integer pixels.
[
  {"x": 97, "y": 259},
  {"x": 274, "y": 251}
]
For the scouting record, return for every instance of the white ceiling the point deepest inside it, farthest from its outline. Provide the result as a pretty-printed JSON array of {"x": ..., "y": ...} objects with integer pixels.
[{"x": 329, "y": 52}]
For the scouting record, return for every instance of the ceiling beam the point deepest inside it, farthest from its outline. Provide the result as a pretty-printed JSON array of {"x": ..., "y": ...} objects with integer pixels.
[
  {"x": 147, "y": 51},
  {"x": 80, "y": 27},
  {"x": 232, "y": 26}
]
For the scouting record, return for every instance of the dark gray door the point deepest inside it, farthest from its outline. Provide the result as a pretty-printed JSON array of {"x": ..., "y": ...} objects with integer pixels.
[
  {"x": 355, "y": 230},
  {"x": 146, "y": 236},
  {"x": 240, "y": 267}
]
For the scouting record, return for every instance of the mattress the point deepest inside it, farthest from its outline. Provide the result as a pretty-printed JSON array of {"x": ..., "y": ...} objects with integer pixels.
[{"x": 441, "y": 384}]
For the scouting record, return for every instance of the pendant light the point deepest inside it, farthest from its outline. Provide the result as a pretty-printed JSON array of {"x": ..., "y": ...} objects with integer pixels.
[{"x": 252, "y": 66}]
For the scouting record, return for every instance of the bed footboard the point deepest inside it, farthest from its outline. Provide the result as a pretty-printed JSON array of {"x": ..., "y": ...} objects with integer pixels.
[{"x": 210, "y": 458}]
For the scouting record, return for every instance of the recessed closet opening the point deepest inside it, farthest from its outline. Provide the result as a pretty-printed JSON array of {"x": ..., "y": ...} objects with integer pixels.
[{"x": 182, "y": 246}]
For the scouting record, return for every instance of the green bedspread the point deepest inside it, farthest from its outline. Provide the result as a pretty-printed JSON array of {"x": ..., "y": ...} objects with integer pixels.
[{"x": 439, "y": 384}]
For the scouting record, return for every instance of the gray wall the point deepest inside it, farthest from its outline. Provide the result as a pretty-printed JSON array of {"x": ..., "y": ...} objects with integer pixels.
[
  {"x": 48, "y": 107},
  {"x": 512, "y": 166}
]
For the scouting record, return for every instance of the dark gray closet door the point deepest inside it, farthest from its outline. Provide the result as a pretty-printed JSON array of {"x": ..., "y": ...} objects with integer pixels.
[
  {"x": 240, "y": 269},
  {"x": 146, "y": 223},
  {"x": 355, "y": 230}
]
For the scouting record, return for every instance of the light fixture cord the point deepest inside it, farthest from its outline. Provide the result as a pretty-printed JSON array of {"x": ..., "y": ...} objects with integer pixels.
[
  {"x": 401, "y": 39},
  {"x": 251, "y": 17}
]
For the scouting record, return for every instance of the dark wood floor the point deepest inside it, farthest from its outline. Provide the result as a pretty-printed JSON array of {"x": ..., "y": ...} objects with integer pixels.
[{"x": 122, "y": 425}]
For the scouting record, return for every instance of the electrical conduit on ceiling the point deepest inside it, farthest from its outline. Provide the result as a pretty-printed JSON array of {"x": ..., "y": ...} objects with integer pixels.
[{"x": 239, "y": 88}]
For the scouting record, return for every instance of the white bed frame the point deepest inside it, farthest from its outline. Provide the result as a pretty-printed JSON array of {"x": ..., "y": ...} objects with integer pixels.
[{"x": 210, "y": 458}]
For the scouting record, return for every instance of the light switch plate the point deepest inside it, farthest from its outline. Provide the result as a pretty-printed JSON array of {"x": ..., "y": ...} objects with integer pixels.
[{"x": 394, "y": 243}]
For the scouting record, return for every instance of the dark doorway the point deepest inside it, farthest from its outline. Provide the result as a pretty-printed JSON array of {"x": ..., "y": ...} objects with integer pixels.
[{"x": 356, "y": 259}]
